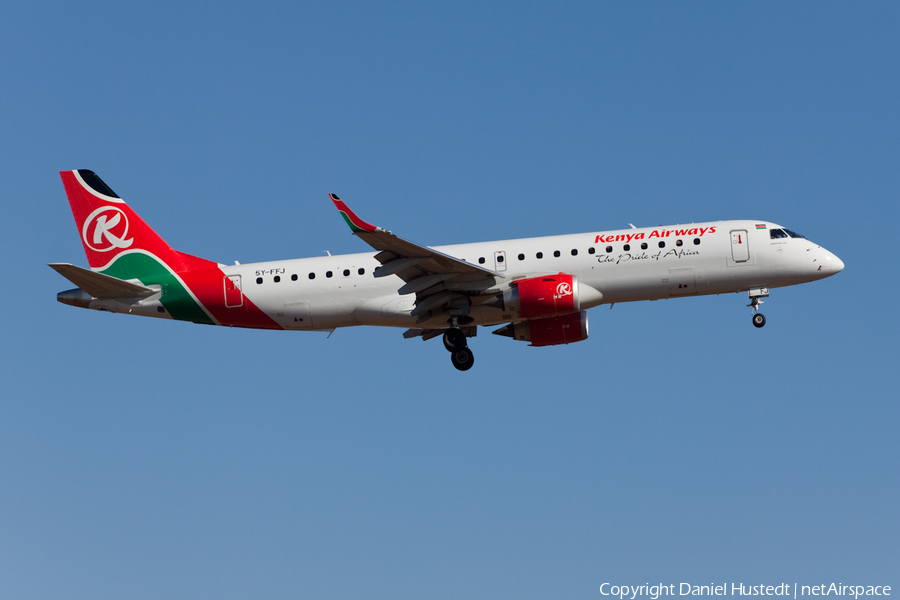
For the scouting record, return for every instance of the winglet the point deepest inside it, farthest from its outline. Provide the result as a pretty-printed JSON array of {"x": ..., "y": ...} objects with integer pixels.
[{"x": 355, "y": 223}]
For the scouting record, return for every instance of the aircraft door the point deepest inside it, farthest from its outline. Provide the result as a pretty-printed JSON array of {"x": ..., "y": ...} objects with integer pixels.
[
  {"x": 500, "y": 261},
  {"x": 234, "y": 297},
  {"x": 296, "y": 315},
  {"x": 682, "y": 281},
  {"x": 740, "y": 249}
]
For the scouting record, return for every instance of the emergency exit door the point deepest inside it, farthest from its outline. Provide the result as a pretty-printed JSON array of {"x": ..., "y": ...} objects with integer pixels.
[{"x": 500, "y": 261}]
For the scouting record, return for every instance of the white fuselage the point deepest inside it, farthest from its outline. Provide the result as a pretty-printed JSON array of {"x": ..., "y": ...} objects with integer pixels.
[{"x": 696, "y": 259}]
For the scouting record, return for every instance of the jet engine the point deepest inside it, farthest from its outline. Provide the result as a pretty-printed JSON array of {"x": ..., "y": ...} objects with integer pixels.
[
  {"x": 547, "y": 296},
  {"x": 553, "y": 331}
]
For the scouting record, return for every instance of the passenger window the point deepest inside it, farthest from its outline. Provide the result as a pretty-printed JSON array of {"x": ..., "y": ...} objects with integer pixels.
[
  {"x": 609, "y": 249},
  {"x": 362, "y": 271},
  {"x": 662, "y": 244},
  {"x": 556, "y": 253},
  {"x": 540, "y": 255},
  {"x": 500, "y": 258},
  {"x": 678, "y": 242},
  {"x": 328, "y": 273},
  {"x": 294, "y": 277},
  {"x": 643, "y": 245},
  {"x": 312, "y": 275},
  {"x": 277, "y": 278},
  {"x": 574, "y": 252},
  {"x": 696, "y": 241},
  {"x": 521, "y": 257},
  {"x": 591, "y": 250},
  {"x": 259, "y": 280},
  {"x": 346, "y": 272},
  {"x": 481, "y": 261},
  {"x": 626, "y": 247}
]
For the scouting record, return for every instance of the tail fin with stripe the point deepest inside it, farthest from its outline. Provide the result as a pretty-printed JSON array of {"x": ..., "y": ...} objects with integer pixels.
[
  {"x": 109, "y": 228},
  {"x": 120, "y": 246}
]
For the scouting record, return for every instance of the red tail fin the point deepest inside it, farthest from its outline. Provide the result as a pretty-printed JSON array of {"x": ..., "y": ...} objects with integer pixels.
[
  {"x": 118, "y": 243},
  {"x": 109, "y": 227}
]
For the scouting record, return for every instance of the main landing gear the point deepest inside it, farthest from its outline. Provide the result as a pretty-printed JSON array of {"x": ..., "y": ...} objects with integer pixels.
[
  {"x": 460, "y": 355},
  {"x": 755, "y": 294}
]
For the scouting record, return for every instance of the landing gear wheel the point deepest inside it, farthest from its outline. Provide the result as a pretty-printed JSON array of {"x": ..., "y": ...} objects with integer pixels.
[
  {"x": 756, "y": 296},
  {"x": 454, "y": 340},
  {"x": 462, "y": 359}
]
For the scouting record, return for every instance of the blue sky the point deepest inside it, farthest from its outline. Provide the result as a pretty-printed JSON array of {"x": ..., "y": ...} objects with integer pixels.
[{"x": 148, "y": 459}]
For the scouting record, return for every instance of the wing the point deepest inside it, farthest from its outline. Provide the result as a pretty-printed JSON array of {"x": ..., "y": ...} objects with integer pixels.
[{"x": 444, "y": 285}]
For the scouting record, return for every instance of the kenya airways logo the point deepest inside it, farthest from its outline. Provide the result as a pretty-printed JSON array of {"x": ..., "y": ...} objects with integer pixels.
[
  {"x": 105, "y": 229},
  {"x": 563, "y": 289}
]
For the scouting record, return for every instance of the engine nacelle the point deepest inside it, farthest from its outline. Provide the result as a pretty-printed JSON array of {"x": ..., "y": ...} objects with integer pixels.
[
  {"x": 542, "y": 297},
  {"x": 553, "y": 331},
  {"x": 545, "y": 297}
]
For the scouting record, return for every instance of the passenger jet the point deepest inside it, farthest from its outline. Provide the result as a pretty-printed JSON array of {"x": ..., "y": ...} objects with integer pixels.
[{"x": 537, "y": 290}]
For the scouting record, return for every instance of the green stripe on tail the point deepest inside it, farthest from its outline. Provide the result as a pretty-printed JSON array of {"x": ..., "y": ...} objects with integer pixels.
[{"x": 148, "y": 270}]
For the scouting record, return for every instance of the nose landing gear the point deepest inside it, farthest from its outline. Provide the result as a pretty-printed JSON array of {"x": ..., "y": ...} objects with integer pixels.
[
  {"x": 755, "y": 294},
  {"x": 460, "y": 355},
  {"x": 759, "y": 319}
]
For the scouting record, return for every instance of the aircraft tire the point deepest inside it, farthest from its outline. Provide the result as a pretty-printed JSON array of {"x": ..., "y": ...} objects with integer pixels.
[
  {"x": 462, "y": 359},
  {"x": 759, "y": 320},
  {"x": 454, "y": 340}
]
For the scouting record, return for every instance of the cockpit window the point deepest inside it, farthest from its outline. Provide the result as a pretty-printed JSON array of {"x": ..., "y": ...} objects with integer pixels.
[
  {"x": 777, "y": 234},
  {"x": 794, "y": 234}
]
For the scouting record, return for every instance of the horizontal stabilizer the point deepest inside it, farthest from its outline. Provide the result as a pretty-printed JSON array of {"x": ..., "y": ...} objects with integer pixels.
[{"x": 99, "y": 285}]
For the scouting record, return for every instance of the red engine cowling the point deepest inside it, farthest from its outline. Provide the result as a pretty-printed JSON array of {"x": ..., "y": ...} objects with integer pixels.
[
  {"x": 541, "y": 297},
  {"x": 554, "y": 331}
]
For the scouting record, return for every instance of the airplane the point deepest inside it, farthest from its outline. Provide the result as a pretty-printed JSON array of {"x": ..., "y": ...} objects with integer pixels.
[{"x": 537, "y": 290}]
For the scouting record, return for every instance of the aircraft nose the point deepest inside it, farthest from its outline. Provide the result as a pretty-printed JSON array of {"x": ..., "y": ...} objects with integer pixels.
[
  {"x": 833, "y": 263},
  {"x": 838, "y": 264}
]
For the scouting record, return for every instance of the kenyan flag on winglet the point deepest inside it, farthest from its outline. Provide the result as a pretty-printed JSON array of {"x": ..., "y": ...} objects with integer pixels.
[{"x": 356, "y": 224}]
